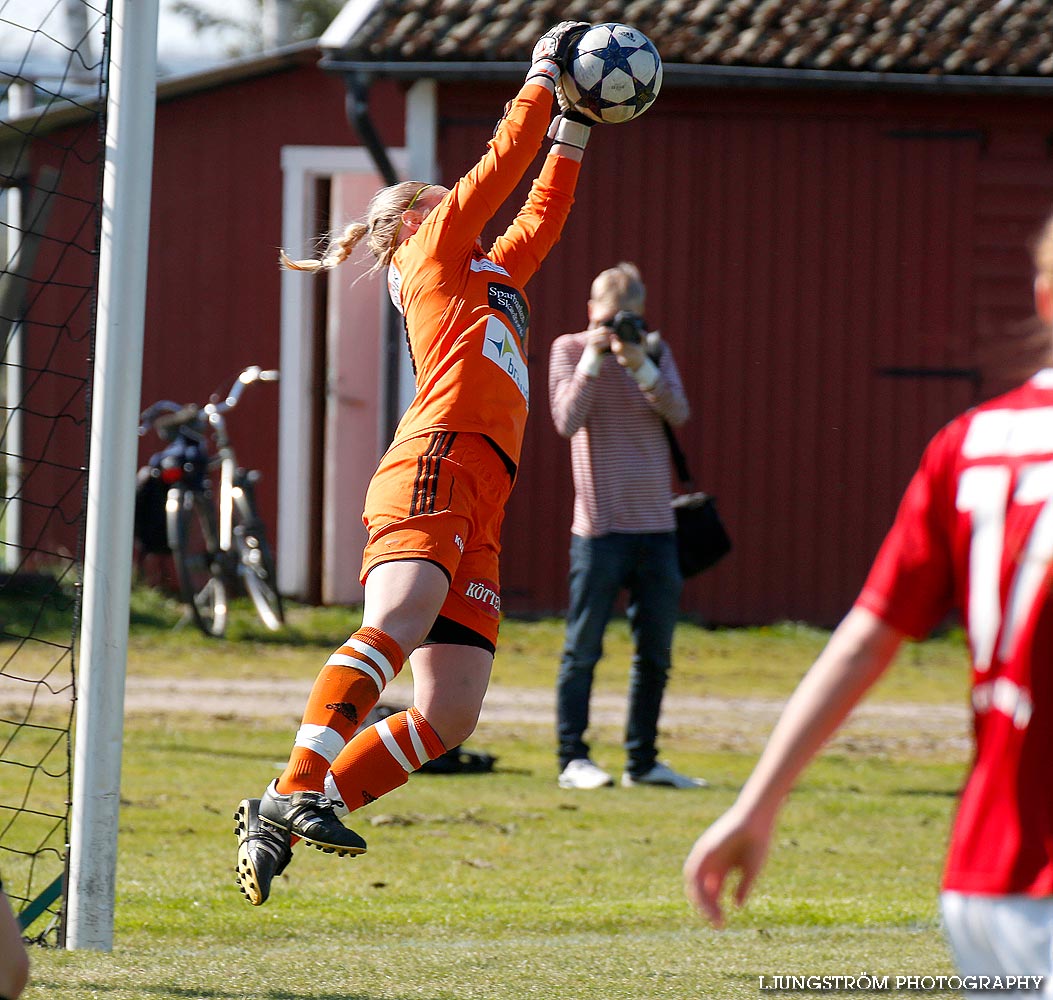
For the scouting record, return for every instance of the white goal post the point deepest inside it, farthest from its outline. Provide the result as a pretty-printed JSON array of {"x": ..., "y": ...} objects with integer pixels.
[{"x": 117, "y": 382}]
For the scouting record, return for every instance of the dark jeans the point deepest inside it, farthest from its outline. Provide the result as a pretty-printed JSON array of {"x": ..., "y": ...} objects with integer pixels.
[{"x": 646, "y": 566}]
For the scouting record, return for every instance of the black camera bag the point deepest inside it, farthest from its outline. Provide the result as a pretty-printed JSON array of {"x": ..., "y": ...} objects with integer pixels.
[{"x": 701, "y": 538}]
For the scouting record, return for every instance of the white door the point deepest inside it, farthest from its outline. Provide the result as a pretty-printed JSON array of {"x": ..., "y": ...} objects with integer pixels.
[
  {"x": 338, "y": 457},
  {"x": 355, "y": 392}
]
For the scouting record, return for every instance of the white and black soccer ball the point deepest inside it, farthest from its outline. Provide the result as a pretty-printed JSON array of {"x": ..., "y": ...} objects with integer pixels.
[{"x": 613, "y": 75}]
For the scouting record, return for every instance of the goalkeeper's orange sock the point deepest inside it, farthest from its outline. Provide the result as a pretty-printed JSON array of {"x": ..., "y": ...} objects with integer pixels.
[
  {"x": 381, "y": 758},
  {"x": 346, "y": 688}
]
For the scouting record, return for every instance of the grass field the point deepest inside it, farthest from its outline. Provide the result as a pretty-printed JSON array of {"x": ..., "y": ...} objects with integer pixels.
[{"x": 501, "y": 885}]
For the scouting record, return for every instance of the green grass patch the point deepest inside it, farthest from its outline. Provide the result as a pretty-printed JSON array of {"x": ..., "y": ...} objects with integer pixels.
[
  {"x": 502, "y": 886},
  {"x": 761, "y": 662},
  {"x": 764, "y": 662}
]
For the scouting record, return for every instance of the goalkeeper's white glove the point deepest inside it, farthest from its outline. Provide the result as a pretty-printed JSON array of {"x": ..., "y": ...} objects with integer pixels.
[
  {"x": 556, "y": 43},
  {"x": 552, "y": 49}
]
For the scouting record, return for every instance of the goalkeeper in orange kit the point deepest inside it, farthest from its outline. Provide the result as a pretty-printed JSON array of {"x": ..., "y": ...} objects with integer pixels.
[{"x": 434, "y": 507}]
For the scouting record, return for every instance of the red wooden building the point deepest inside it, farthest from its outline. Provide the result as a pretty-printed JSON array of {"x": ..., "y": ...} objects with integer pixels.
[{"x": 833, "y": 233}]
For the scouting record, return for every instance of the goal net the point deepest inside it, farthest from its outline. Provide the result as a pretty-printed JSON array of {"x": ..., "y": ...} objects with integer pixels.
[{"x": 52, "y": 105}]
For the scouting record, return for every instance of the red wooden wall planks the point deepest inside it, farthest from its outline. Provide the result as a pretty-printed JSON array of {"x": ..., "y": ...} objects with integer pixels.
[{"x": 827, "y": 266}]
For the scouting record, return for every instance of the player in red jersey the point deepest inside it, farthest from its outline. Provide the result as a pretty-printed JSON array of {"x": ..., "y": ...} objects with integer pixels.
[
  {"x": 974, "y": 532},
  {"x": 435, "y": 505}
]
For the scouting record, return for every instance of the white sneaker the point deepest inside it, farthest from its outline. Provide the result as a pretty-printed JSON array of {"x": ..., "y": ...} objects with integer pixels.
[
  {"x": 582, "y": 773},
  {"x": 663, "y": 774}
]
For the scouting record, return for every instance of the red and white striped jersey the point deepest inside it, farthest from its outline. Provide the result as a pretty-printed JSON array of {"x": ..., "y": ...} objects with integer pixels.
[
  {"x": 974, "y": 532},
  {"x": 619, "y": 452}
]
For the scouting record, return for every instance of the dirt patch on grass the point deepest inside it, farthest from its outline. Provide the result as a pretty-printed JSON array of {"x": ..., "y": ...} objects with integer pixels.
[{"x": 736, "y": 724}]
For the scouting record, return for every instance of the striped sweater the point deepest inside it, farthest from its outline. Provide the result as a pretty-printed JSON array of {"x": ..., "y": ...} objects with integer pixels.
[{"x": 619, "y": 453}]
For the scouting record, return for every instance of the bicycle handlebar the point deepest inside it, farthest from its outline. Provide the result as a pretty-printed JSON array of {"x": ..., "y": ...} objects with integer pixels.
[
  {"x": 165, "y": 416},
  {"x": 249, "y": 375}
]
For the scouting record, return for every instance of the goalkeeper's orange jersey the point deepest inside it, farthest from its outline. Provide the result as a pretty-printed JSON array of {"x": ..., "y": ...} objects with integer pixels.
[{"x": 465, "y": 312}]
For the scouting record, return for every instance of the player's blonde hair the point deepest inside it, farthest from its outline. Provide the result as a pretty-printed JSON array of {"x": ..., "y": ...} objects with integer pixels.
[
  {"x": 619, "y": 287},
  {"x": 1042, "y": 251},
  {"x": 381, "y": 228}
]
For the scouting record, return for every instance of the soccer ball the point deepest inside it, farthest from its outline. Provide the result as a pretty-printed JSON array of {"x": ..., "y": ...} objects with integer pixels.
[{"x": 614, "y": 74}]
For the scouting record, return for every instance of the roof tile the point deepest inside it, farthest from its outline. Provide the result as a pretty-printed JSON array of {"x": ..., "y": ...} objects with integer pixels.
[{"x": 960, "y": 37}]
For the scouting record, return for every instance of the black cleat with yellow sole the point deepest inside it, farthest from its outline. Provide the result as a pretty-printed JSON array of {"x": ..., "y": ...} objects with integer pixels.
[
  {"x": 311, "y": 817},
  {"x": 263, "y": 852}
]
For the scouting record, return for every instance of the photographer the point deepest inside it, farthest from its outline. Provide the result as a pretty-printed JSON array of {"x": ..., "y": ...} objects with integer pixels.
[{"x": 610, "y": 388}]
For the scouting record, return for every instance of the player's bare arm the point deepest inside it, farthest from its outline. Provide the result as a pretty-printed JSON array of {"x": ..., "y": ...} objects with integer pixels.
[{"x": 857, "y": 654}]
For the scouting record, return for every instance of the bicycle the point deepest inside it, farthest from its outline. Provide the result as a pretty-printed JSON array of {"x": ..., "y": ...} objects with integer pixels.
[{"x": 218, "y": 547}]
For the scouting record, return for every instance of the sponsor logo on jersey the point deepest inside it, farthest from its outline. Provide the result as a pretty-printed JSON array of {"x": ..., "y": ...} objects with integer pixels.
[
  {"x": 500, "y": 346},
  {"x": 484, "y": 593},
  {"x": 485, "y": 264},
  {"x": 510, "y": 303},
  {"x": 459, "y": 542}
]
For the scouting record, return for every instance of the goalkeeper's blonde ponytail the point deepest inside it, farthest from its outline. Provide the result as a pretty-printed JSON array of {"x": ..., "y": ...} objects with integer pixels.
[
  {"x": 380, "y": 228},
  {"x": 336, "y": 252}
]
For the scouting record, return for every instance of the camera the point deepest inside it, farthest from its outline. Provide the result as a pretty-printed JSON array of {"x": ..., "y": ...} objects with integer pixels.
[{"x": 628, "y": 327}]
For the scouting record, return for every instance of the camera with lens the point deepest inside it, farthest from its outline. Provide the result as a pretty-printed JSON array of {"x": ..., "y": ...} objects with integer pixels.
[{"x": 628, "y": 327}]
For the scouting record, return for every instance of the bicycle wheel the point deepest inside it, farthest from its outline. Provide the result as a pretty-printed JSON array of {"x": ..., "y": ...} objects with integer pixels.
[
  {"x": 255, "y": 561},
  {"x": 195, "y": 544}
]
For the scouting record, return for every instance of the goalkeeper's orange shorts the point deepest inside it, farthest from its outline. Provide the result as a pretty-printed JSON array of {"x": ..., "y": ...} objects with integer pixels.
[{"x": 441, "y": 497}]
